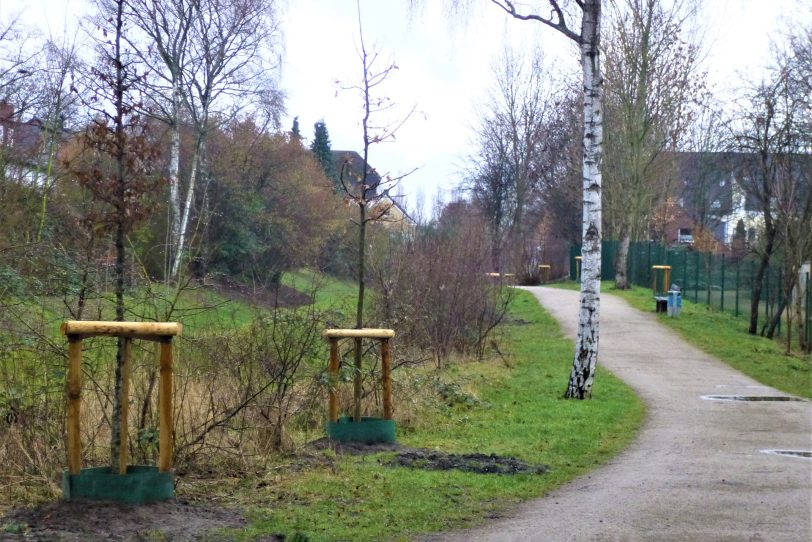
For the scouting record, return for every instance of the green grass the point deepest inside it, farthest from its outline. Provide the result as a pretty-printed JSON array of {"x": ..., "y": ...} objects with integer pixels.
[
  {"x": 329, "y": 293},
  {"x": 516, "y": 410},
  {"x": 724, "y": 336}
]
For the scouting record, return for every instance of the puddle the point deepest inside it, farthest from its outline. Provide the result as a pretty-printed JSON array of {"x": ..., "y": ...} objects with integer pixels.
[
  {"x": 789, "y": 453},
  {"x": 751, "y": 398}
]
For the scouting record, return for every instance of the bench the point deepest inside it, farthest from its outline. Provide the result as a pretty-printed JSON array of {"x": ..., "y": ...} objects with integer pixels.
[{"x": 662, "y": 303}]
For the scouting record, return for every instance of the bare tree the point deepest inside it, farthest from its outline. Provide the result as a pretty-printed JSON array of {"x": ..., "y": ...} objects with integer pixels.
[
  {"x": 364, "y": 187},
  {"x": 652, "y": 83},
  {"x": 209, "y": 60},
  {"x": 506, "y": 176},
  {"x": 564, "y": 16},
  {"x": 114, "y": 161},
  {"x": 771, "y": 130},
  {"x": 167, "y": 26}
]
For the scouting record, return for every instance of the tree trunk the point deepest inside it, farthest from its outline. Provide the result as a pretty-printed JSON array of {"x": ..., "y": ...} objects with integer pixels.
[
  {"x": 586, "y": 348},
  {"x": 622, "y": 262},
  {"x": 359, "y": 313},
  {"x": 174, "y": 180},
  {"x": 758, "y": 285},
  {"x": 118, "y": 401},
  {"x": 184, "y": 223}
]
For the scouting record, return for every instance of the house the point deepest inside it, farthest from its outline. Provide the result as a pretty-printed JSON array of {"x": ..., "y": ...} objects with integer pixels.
[
  {"x": 24, "y": 154},
  {"x": 709, "y": 190},
  {"x": 349, "y": 167}
]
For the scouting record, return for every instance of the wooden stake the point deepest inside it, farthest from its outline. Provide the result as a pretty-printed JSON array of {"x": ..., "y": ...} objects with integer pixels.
[
  {"x": 74, "y": 404},
  {"x": 386, "y": 378},
  {"x": 126, "y": 368},
  {"x": 332, "y": 402},
  {"x": 165, "y": 408},
  {"x": 356, "y": 383}
]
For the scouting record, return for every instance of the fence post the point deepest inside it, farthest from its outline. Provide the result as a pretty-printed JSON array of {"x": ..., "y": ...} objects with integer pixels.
[
  {"x": 696, "y": 277},
  {"x": 708, "y": 285},
  {"x": 722, "y": 297},
  {"x": 684, "y": 271},
  {"x": 738, "y": 267},
  {"x": 780, "y": 295},
  {"x": 808, "y": 323}
]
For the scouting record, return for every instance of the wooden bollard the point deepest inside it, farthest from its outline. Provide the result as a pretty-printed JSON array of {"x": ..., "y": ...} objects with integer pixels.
[
  {"x": 126, "y": 369},
  {"x": 332, "y": 402},
  {"x": 165, "y": 437},
  {"x": 74, "y": 404},
  {"x": 386, "y": 379}
]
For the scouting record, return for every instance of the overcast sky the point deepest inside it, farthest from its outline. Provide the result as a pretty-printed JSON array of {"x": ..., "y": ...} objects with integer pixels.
[{"x": 444, "y": 67}]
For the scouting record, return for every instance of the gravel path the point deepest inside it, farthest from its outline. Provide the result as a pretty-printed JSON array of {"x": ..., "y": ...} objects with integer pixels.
[{"x": 696, "y": 470}]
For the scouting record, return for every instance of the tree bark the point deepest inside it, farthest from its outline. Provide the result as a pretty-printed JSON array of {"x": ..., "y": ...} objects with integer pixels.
[
  {"x": 586, "y": 348},
  {"x": 621, "y": 262},
  {"x": 118, "y": 401},
  {"x": 174, "y": 178},
  {"x": 187, "y": 208}
]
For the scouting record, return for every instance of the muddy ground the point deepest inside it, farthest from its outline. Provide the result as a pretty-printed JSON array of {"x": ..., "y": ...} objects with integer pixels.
[{"x": 78, "y": 521}]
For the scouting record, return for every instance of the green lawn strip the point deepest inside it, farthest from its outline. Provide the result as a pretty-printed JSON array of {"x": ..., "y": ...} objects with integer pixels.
[
  {"x": 724, "y": 336},
  {"x": 516, "y": 411}
]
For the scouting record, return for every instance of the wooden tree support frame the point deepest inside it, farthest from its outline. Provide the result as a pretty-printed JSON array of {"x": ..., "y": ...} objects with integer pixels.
[
  {"x": 383, "y": 335},
  {"x": 666, "y": 269},
  {"x": 161, "y": 332},
  {"x": 544, "y": 272}
]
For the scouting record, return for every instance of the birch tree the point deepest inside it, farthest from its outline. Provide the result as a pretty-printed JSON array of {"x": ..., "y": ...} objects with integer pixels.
[
  {"x": 564, "y": 17},
  {"x": 210, "y": 61},
  {"x": 167, "y": 26},
  {"x": 231, "y": 37}
]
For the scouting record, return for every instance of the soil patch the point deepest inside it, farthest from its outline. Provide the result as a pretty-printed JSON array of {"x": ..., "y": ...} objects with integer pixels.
[
  {"x": 75, "y": 521},
  {"x": 355, "y": 448},
  {"x": 416, "y": 458},
  {"x": 479, "y": 463}
]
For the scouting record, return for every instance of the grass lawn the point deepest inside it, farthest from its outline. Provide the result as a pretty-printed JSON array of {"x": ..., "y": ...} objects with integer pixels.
[
  {"x": 511, "y": 407},
  {"x": 724, "y": 336}
]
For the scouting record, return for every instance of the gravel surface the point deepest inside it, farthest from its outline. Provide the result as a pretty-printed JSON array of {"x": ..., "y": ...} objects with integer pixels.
[{"x": 697, "y": 470}]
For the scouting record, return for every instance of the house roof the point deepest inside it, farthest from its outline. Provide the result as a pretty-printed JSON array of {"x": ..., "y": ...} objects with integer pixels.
[{"x": 351, "y": 164}]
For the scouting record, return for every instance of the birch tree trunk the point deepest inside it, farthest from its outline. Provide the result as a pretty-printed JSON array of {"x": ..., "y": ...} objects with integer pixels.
[
  {"x": 187, "y": 207},
  {"x": 586, "y": 348},
  {"x": 174, "y": 179}
]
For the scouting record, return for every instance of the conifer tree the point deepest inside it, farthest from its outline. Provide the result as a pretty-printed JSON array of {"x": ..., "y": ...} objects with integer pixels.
[{"x": 321, "y": 148}]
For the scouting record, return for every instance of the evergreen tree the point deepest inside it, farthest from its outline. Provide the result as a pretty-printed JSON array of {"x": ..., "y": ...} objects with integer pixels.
[
  {"x": 321, "y": 148},
  {"x": 294, "y": 130}
]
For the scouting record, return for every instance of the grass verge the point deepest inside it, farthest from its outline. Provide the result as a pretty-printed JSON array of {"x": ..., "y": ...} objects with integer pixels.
[
  {"x": 724, "y": 336},
  {"x": 510, "y": 407}
]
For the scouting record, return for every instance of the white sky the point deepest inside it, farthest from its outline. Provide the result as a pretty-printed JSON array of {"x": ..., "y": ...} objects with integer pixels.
[{"x": 443, "y": 67}]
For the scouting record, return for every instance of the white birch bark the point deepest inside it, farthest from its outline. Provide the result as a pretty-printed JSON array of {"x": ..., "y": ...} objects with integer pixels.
[
  {"x": 174, "y": 177},
  {"x": 586, "y": 348},
  {"x": 187, "y": 208}
]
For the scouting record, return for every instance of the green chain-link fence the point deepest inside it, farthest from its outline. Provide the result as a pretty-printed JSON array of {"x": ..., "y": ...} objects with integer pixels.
[{"x": 719, "y": 281}]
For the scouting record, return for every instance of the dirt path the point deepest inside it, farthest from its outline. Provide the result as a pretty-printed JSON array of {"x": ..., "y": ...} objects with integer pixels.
[{"x": 696, "y": 471}]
